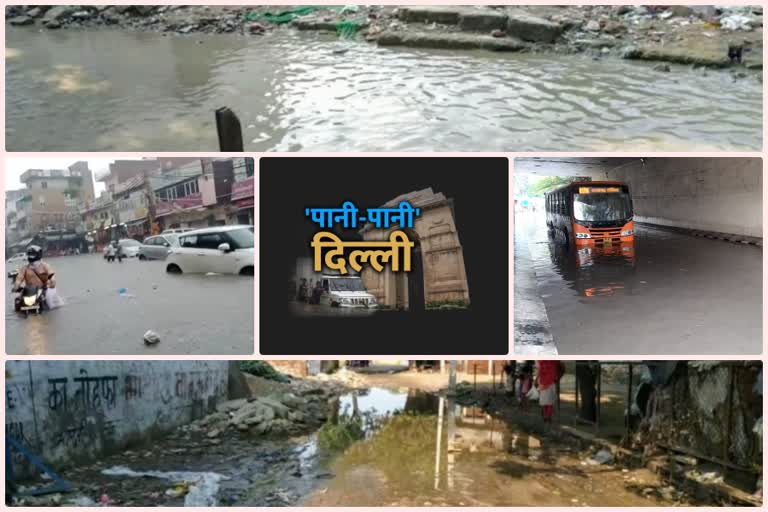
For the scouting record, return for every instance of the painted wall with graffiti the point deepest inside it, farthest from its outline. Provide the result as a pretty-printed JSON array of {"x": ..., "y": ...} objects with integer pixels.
[{"x": 71, "y": 411}]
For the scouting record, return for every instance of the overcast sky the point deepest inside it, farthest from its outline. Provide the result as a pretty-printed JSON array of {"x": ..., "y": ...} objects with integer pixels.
[{"x": 15, "y": 167}]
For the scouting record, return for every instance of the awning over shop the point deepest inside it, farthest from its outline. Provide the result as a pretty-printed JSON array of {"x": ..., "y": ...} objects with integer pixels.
[
  {"x": 244, "y": 204},
  {"x": 65, "y": 237},
  {"x": 22, "y": 243},
  {"x": 242, "y": 189}
]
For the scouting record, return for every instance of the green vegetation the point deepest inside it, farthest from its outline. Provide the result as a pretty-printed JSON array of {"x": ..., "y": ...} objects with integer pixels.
[
  {"x": 539, "y": 188},
  {"x": 264, "y": 370},
  {"x": 341, "y": 435},
  {"x": 347, "y": 29},
  {"x": 282, "y": 17}
]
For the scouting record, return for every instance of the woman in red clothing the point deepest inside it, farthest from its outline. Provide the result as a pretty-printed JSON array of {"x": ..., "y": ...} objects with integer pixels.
[{"x": 548, "y": 374}]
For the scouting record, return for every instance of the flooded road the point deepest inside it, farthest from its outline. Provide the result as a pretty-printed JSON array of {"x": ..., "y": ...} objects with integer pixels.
[
  {"x": 413, "y": 449},
  {"x": 192, "y": 314},
  {"x": 668, "y": 293},
  {"x": 132, "y": 91}
]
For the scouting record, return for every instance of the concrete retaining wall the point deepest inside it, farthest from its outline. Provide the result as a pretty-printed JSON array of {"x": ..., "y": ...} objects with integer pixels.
[
  {"x": 71, "y": 411},
  {"x": 723, "y": 195}
]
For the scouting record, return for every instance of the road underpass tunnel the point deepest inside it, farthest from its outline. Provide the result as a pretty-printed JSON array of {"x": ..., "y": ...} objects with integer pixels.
[{"x": 631, "y": 255}]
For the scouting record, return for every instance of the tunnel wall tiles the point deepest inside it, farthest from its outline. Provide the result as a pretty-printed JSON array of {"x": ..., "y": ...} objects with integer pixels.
[
  {"x": 710, "y": 194},
  {"x": 71, "y": 411}
]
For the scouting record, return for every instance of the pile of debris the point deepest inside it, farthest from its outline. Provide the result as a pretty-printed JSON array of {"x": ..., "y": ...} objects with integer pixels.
[
  {"x": 290, "y": 413},
  {"x": 345, "y": 378},
  {"x": 164, "y": 18},
  {"x": 711, "y": 36}
]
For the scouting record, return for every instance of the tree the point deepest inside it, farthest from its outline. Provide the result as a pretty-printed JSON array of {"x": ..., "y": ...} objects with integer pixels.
[
  {"x": 550, "y": 183},
  {"x": 586, "y": 373}
]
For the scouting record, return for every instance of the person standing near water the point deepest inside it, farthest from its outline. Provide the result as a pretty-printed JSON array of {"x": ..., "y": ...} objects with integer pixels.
[
  {"x": 525, "y": 377},
  {"x": 548, "y": 375}
]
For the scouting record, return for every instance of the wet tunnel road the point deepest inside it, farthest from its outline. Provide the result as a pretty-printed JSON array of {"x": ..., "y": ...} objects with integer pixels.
[
  {"x": 192, "y": 314},
  {"x": 668, "y": 293}
]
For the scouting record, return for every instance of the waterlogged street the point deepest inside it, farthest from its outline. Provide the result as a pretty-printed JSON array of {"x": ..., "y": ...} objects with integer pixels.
[
  {"x": 669, "y": 293},
  {"x": 136, "y": 91},
  {"x": 110, "y": 306},
  {"x": 461, "y": 456},
  {"x": 376, "y": 447}
]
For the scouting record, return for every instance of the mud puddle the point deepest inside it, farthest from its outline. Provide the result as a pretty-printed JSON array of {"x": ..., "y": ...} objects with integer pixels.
[{"x": 378, "y": 447}]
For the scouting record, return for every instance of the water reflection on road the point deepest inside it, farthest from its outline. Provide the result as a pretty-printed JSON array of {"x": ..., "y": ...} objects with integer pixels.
[
  {"x": 668, "y": 293},
  {"x": 192, "y": 314},
  {"x": 431, "y": 451},
  {"x": 415, "y": 449}
]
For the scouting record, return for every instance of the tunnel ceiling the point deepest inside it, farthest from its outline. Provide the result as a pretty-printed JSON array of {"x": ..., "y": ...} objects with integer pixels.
[{"x": 568, "y": 166}]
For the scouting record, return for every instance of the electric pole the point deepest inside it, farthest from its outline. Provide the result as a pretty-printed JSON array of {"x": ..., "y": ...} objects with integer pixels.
[
  {"x": 452, "y": 378},
  {"x": 150, "y": 202}
]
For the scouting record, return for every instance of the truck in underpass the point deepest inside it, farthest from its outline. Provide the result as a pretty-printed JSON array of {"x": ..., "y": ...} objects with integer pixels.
[{"x": 330, "y": 288}]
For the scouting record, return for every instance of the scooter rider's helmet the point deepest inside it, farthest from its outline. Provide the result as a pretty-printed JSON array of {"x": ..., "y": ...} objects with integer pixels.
[{"x": 34, "y": 253}]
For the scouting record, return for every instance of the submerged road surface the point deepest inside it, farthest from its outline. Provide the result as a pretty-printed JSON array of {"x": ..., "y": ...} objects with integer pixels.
[
  {"x": 192, "y": 314},
  {"x": 295, "y": 91},
  {"x": 669, "y": 294}
]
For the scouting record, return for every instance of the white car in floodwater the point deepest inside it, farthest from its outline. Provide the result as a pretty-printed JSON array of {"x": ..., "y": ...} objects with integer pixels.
[
  {"x": 130, "y": 247},
  {"x": 219, "y": 250}
]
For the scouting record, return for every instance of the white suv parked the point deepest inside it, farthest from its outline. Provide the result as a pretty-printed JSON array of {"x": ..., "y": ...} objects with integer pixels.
[{"x": 221, "y": 249}]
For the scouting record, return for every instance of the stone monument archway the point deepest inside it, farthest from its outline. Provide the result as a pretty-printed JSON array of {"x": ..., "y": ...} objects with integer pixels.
[{"x": 437, "y": 262}]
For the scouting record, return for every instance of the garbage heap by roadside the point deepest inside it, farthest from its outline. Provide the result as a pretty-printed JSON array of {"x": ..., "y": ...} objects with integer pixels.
[
  {"x": 712, "y": 36},
  {"x": 276, "y": 408}
]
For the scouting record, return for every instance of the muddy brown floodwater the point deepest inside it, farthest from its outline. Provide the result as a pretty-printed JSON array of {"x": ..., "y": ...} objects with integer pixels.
[
  {"x": 192, "y": 314},
  {"x": 138, "y": 91},
  {"x": 464, "y": 457},
  {"x": 414, "y": 449}
]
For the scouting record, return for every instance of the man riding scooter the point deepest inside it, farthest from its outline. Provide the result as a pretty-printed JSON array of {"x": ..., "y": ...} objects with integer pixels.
[{"x": 36, "y": 274}]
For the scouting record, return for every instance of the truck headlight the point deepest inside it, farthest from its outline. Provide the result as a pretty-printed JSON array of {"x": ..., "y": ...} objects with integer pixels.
[
  {"x": 583, "y": 235},
  {"x": 628, "y": 232}
]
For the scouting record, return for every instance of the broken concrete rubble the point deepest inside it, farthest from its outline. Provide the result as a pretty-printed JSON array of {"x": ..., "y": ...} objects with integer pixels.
[
  {"x": 20, "y": 21},
  {"x": 482, "y": 21},
  {"x": 288, "y": 409},
  {"x": 454, "y": 41},
  {"x": 675, "y": 34},
  {"x": 532, "y": 28},
  {"x": 442, "y": 15},
  {"x": 712, "y": 55}
]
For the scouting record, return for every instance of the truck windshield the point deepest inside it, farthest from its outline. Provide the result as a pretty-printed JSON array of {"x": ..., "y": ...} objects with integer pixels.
[
  {"x": 600, "y": 207},
  {"x": 348, "y": 284}
]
